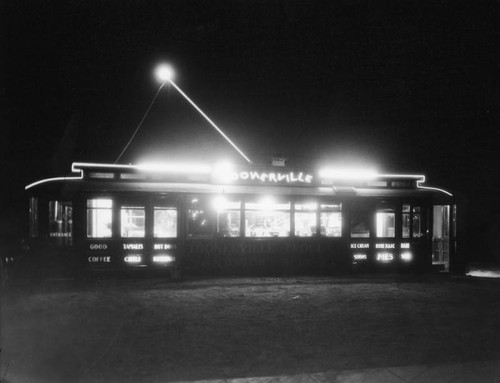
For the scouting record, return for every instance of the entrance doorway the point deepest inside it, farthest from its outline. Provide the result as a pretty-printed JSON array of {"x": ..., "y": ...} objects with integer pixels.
[{"x": 441, "y": 237}]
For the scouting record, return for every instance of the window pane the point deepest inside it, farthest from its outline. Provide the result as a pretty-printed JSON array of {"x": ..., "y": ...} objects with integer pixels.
[
  {"x": 61, "y": 222},
  {"x": 331, "y": 224},
  {"x": 305, "y": 224},
  {"x": 99, "y": 218},
  {"x": 386, "y": 225},
  {"x": 200, "y": 219},
  {"x": 132, "y": 221},
  {"x": 360, "y": 227},
  {"x": 417, "y": 226},
  {"x": 228, "y": 223},
  {"x": 267, "y": 223},
  {"x": 165, "y": 222},
  {"x": 406, "y": 226},
  {"x": 228, "y": 216}
]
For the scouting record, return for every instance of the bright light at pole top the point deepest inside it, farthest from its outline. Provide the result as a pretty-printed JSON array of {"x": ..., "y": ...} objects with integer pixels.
[{"x": 164, "y": 73}]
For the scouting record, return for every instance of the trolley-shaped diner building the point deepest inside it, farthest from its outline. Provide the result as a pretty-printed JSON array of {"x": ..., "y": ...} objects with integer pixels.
[{"x": 213, "y": 220}]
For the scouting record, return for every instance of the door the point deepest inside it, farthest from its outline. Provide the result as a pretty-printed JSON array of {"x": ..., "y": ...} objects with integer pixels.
[{"x": 441, "y": 236}]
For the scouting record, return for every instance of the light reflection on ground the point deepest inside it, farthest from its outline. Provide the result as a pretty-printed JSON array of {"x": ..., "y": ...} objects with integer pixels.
[{"x": 483, "y": 272}]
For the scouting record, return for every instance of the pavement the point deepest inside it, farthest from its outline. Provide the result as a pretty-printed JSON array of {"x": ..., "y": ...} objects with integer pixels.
[{"x": 475, "y": 372}]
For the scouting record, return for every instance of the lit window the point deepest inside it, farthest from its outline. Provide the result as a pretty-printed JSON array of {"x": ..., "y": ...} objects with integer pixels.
[
  {"x": 200, "y": 218},
  {"x": 228, "y": 217},
  {"x": 132, "y": 221},
  {"x": 61, "y": 222},
  {"x": 406, "y": 222},
  {"x": 331, "y": 220},
  {"x": 386, "y": 221},
  {"x": 306, "y": 219},
  {"x": 165, "y": 222},
  {"x": 99, "y": 218},
  {"x": 267, "y": 219}
]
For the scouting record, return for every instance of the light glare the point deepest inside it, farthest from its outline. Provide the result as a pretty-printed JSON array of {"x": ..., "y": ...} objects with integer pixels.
[
  {"x": 348, "y": 174},
  {"x": 174, "y": 168},
  {"x": 223, "y": 172},
  {"x": 406, "y": 256},
  {"x": 164, "y": 258},
  {"x": 133, "y": 259},
  {"x": 219, "y": 203},
  {"x": 164, "y": 73}
]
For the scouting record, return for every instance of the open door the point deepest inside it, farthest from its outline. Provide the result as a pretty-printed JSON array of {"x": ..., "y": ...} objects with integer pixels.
[{"x": 441, "y": 237}]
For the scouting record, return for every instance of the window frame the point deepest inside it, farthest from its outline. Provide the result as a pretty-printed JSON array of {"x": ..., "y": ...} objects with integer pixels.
[
  {"x": 162, "y": 206},
  {"x": 207, "y": 209},
  {"x": 92, "y": 208},
  {"x": 131, "y": 205},
  {"x": 277, "y": 200},
  {"x": 390, "y": 214}
]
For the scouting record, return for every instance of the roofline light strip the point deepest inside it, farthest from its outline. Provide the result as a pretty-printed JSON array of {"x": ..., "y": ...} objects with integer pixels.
[
  {"x": 52, "y": 180},
  {"x": 77, "y": 167},
  {"x": 166, "y": 168},
  {"x": 435, "y": 189}
]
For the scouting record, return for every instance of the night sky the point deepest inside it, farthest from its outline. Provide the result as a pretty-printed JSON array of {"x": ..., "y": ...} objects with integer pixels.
[{"x": 404, "y": 86}]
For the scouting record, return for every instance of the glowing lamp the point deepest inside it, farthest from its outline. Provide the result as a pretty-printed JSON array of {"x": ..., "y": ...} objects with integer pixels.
[
  {"x": 164, "y": 73},
  {"x": 267, "y": 203},
  {"x": 219, "y": 203},
  {"x": 223, "y": 172},
  {"x": 385, "y": 257},
  {"x": 360, "y": 257},
  {"x": 406, "y": 256}
]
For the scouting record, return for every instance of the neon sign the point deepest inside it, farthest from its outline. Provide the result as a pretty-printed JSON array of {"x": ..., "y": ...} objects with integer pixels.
[
  {"x": 385, "y": 257},
  {"x": 360, "y": 245},
  {"x": 133, "y": 246},
  {"x": 164, "y": 246},
  {"x": 405, "y": 245},
  {"x": 360, "y": 257},
  {"x": 133, "y": 259},
  {"x": 60, "y": 235},
  {"x": 406, "y": 256},
  {"x": 163, "y": 258},
  {"x": 98, "y": 246},
  {"x": 286, "y": 178},
  {"x": 99, "y": 259},
  {"x": 385, "y": 246}
]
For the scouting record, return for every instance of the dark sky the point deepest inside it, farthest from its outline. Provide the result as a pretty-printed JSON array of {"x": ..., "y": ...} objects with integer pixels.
[{"x": 405, "y": 85}]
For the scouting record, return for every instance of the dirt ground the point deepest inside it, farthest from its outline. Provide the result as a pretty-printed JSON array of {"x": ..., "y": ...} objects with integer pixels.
[{"x": 149, "y": 330}]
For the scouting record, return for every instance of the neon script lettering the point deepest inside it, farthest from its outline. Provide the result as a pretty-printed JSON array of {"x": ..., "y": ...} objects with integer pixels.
[{"x": 288, "y": 178}]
